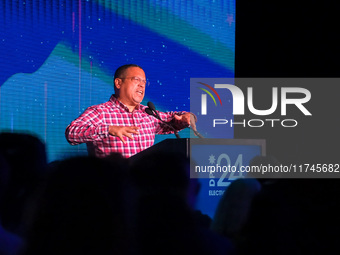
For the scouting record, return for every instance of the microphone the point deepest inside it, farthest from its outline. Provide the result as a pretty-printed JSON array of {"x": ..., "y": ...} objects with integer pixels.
[
  {"x": 152, "y": 111},
  {"x": 151, "y": 106},
  {"x": 149, "y": 111}
]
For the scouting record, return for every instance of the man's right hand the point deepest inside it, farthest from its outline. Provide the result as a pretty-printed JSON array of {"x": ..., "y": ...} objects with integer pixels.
[{"x": 121, "y": 131}]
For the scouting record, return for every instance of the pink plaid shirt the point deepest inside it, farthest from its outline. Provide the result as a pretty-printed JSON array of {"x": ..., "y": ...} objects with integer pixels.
[{"x": 92, "y": 128}]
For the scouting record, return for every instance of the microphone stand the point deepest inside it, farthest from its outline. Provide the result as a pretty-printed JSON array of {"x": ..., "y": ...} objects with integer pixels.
[
  {"x": 155, "y": 114},
  {"x": 152, "y": 111}
]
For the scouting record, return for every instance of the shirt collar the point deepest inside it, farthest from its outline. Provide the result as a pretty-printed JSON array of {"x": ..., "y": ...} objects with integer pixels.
[{"x": 116, "y": 102}]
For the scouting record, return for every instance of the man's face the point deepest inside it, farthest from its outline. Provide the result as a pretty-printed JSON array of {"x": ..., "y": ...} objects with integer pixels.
[{"x": 131, "y": 86}]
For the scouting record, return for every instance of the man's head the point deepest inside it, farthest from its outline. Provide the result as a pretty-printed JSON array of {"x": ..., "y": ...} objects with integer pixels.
[{"x": 129, "y": 83}]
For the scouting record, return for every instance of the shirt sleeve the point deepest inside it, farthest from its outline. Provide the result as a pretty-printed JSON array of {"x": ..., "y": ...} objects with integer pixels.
[
  {"x": 169, "y": 117},
  {"x": 87, "y": 127}
]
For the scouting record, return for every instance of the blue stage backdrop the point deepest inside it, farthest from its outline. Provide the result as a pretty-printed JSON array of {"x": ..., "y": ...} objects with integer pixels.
[{"x": 58, "y": 57}]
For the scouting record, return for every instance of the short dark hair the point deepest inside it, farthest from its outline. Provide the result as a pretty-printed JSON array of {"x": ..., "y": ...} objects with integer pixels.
[{"x": 120, "y": 70}]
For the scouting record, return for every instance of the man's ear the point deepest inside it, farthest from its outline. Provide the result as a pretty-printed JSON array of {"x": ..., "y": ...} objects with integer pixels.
[{"x": 118, "y": 83}]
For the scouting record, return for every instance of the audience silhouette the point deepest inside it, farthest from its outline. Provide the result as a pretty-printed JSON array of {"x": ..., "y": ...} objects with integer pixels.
[
  {"x": 26, "y": 158},
  {"x": 85, "y": 205},
  {"x": 165, "y": 220},
  {"x": 80, "y": 209},
  {"x": 233, "y": 209}
]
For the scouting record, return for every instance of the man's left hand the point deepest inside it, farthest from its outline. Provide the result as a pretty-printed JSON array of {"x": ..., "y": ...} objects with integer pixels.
[{"x": 185, "y": 118}]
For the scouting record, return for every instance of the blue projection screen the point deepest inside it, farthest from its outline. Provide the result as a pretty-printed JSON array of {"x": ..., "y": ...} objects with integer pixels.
[{"x": 58, "y": 57}]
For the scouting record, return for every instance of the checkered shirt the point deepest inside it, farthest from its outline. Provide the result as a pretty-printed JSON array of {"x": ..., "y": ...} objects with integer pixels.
[{"x": 92, "y": 128}]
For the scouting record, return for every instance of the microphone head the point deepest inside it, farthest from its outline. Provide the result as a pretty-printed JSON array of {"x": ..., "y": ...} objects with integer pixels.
[
  {"x": 149, "y": 111},
  {"x": 151, "y": 106}
]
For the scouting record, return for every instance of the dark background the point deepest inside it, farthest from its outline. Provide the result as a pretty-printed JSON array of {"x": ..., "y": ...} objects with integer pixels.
[{"x": 293, "y": 39}]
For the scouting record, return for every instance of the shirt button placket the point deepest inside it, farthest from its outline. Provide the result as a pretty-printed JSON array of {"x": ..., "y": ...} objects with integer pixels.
[{"x": 136, "y": 120}]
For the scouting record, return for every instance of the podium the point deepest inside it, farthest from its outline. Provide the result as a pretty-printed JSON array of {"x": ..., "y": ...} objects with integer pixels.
[
  {"x": 207, "y": 152},
  {"x": 180, "y": 145}
]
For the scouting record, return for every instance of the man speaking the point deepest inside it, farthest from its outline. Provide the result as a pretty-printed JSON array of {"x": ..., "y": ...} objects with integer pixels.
[{"x": 121, "y": 124}]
